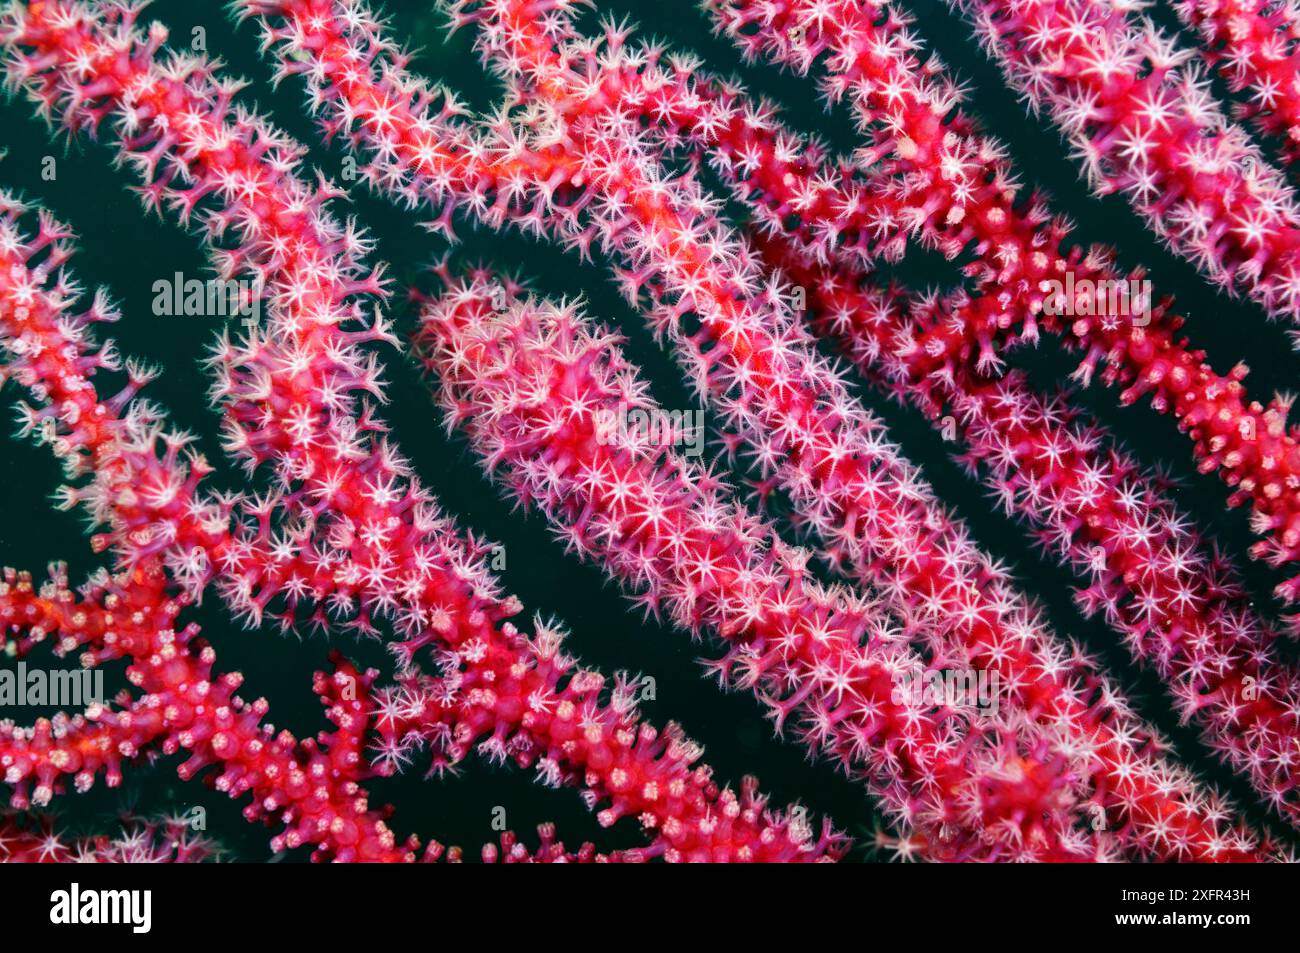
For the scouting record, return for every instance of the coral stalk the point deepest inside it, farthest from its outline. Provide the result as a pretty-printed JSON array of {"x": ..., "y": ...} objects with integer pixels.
[
  {"x": 348, "y": 524},
  {"x": 1252, "y": 42},
  {"x": 1177, "y": 602},
  {"x": 1020, "y": 272},
  {"x": 805, "y": 429},
  {"x": 1142, "y": 121},
  {"x": 544, "y": 398}
]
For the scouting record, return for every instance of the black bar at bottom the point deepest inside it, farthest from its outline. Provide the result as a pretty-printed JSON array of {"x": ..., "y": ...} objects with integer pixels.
[{"x": 363, "y": 904}]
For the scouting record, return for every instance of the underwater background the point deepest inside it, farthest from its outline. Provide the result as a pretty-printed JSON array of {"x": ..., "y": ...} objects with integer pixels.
[{"x": 126, "y": 250}]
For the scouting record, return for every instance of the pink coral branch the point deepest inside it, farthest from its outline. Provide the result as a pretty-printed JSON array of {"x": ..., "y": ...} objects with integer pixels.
[
  {"x": 536, "y": 388},
  {"x": 1252, "y": 43},
  {"x": 310, "y": 787},
  {"x": 951, "y": 185},
  {"x": 544, "y": 398},
  {"x": 346, "y": 523},
  {"x": 791, "y": 408},
  {"x": 1143, "y": 122},
  {"x": 350, "y": 524},
  {"x": 1178, "y": 604},
  {"x": 1020, "y": 274},
  {"x": 286, "y": 778},
  {"x": 782, "y": 176},
  {"x": 181, "y": 705},
  {"x": 536, "y": 65}
]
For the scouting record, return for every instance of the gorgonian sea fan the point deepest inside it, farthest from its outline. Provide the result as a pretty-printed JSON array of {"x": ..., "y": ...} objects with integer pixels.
[
  {"x": 539, "y": 389},
  {"x": 833, "y": 593},
  {"x": 343, "y": 499}
]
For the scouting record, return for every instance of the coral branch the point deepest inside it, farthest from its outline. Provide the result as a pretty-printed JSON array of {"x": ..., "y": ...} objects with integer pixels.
[
  {"x": 958, "y": 190},
  {"x": 545, "y": 400},
  {"x": 749, "y": 356},
  {"x": 1143, "y": 122},
  {"x": 539, "y": 391},
  {"x": 168, "y": 840},
  {"x": 310, "y": 787},
  {"x": 600, "y": 145},
  {"x": 1176, "y": 601},
  {"x": 1252, "y": 42},
  {"x": 348, "y": 524}
]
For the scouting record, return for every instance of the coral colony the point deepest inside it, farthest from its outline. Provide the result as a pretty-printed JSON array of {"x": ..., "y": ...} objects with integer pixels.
[{"x": 860, "y": 615}]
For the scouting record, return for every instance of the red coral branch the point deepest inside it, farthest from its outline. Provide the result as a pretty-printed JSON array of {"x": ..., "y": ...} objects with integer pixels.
[
  {"x": 1177, "y": 602},
  {"x": 1252, "y": 42},
  {"x": 349, "y": 523},
  {"x": 545, "y": 399},
  {"x": 750, "y": 356}
]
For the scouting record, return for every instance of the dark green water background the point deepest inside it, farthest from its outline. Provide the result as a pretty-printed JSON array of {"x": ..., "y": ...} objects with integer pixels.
[{"x": 127, "y": 251}]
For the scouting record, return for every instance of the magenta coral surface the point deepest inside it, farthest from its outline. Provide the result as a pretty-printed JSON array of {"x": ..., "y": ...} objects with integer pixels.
[{"x": 557, "y": 306}]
